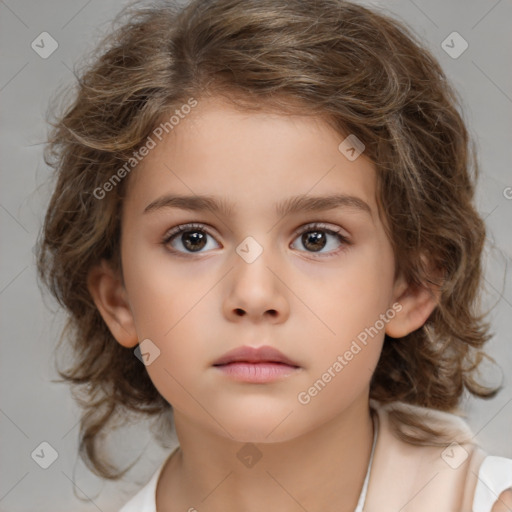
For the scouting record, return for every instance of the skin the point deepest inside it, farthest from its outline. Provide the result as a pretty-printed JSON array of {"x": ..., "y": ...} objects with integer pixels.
[
  {"x": 310, "y": 305},
  {"x": 504, "y": 502}
]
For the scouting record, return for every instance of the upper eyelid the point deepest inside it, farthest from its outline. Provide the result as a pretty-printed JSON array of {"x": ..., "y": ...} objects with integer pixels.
[{"x": 322, "y": 225}]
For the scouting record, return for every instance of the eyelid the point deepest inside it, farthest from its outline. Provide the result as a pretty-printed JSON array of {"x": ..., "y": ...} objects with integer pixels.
[
  {"x": 310, "y": 226},
  {"x": 188, "y": 226}
]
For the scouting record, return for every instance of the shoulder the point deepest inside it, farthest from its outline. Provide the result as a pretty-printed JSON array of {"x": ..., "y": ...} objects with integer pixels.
[
  {"x": 493, "y": 492},
  {"x": 423, "y": 426},
  {"x": 441, "y": 446},
  {"x": 504, "y": 502}
]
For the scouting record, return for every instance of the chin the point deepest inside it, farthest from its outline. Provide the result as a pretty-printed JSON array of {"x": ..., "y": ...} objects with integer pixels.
[{"x": 261, "y": 425}]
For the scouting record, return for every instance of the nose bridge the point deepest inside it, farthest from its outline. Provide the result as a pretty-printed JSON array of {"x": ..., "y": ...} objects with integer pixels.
[
  {"x": 255, "y": 287},
  {"x": 256, "y": 240},
  {"x": 253, "y": 260}
]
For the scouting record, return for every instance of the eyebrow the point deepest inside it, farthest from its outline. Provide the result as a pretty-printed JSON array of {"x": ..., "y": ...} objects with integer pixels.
[{"x": 301, "y": 203}]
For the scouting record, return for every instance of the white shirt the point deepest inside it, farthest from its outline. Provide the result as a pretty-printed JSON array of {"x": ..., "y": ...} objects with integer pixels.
[
  {"x": 494, "y": 476},
  {"x": 145, "y": 500}
]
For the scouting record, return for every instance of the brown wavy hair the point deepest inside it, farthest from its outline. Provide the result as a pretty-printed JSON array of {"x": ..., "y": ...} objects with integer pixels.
[{"x": 363, "y": 72}]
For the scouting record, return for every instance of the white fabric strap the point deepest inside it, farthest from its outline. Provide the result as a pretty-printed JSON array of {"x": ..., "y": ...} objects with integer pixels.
[{"x": 362, "y": 497}]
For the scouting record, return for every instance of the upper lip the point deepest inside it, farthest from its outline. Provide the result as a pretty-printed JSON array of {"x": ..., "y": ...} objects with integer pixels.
[{"x": 249, "y": 354}]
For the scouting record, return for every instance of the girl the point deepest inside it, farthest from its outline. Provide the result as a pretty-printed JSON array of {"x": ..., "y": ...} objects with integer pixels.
[{"x": 263, "y": 218}]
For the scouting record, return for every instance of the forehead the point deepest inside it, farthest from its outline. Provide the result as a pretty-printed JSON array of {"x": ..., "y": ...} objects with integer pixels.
[{"x": 249, "y": 157}]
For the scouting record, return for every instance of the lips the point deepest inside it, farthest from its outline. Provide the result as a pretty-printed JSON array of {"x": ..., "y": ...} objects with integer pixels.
[
  {"x": 262, "y": 365},
  {"x": 246, "y": 354}
]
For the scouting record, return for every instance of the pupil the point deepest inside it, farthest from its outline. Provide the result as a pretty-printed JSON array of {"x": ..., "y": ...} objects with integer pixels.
[{"x": 316, "y": 238}]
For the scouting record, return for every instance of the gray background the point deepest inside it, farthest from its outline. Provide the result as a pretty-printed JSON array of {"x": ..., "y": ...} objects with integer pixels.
[{"x": 33, "y": 409}]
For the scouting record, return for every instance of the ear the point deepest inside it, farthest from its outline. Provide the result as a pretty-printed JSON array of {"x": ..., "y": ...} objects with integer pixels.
[
  {"x": 110, "y": 297},
  {"x": 417, "y": 303}
]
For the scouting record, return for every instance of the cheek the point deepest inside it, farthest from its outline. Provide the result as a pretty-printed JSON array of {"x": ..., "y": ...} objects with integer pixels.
[
  {"x": 353, "y": 295},
  {"x": 162, "y": 290},
  {"x": 169, "y": 308},
  {"x": 338, "y": 383},
  {"x": 350, "y": 304}
]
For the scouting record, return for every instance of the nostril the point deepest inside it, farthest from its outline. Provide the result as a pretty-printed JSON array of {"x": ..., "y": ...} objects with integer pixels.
[{"x": 239, "y": 311}]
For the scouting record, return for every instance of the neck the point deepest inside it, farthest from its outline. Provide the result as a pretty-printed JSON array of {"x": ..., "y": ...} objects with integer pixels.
[{"x": 321, "y": 470}]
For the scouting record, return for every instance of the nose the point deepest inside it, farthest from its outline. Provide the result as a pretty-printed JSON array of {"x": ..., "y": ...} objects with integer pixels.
[{"x": 257, "y": 292}]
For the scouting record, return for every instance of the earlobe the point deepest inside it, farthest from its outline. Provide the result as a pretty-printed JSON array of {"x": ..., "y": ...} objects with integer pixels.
[
  {"x": 110, "y": 297},
  {"x": 417, "y": 304}
]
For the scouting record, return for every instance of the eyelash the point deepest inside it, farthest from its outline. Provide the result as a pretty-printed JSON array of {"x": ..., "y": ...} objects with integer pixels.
[{"x": 315, "y": 226}]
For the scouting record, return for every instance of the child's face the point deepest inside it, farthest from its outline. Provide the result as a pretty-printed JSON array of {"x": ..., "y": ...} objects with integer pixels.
[{"x": 310, "y": 305}]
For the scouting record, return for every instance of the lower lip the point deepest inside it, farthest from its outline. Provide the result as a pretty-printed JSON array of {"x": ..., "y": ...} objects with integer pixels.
[{"x": 257, "y": 372}]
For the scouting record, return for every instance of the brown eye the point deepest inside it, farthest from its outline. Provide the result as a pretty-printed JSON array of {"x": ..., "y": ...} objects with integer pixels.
[
  {"x": 187, "y": 238},
  {"x": 193, "y": 240},
  {"x": 314, "y": 238}
]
